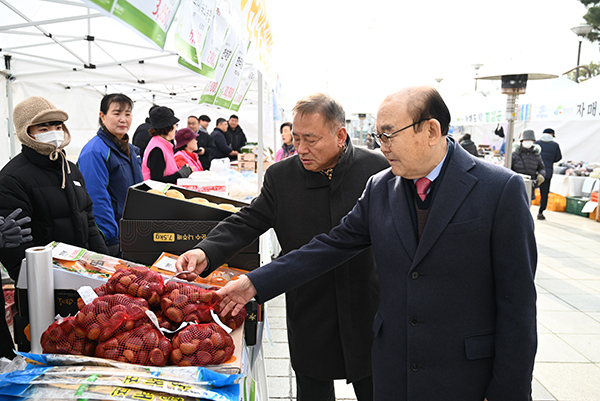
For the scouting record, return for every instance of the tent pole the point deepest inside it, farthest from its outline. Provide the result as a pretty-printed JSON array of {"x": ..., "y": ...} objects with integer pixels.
[
  {"x": 260, "y": 130},
  {"x": 9, "y": 96}
]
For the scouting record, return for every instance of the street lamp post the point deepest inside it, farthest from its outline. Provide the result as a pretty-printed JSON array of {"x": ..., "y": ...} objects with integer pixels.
[
  {"x": 513, "y": 85},
  {"x": 580, "y": 31}
]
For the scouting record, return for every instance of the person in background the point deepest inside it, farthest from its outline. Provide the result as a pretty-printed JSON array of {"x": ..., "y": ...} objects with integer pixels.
[
  {"x": 222, "y": 149},
  {"x": 235, "y": 136},
  {"x": 185, "y": 146},
  {"x": 526, "y": 160},
  {"x": 287, "y": 149},
  {"x": 329, "y": 327},
  {"x": 159, "y": 160},
  {"x": 468, "y": 145},
  {"x": 206, "y": 145},
  {"x": 141, "y": 136},
  {"x": 450, "y": 325},
  {"x": 110, "y": 165},
  {"x": 550, "y": 154},
  {"x": 46, "y": 187}
]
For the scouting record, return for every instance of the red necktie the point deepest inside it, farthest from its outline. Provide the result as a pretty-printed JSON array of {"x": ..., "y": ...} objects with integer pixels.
[{"x": 422, "y": 185}]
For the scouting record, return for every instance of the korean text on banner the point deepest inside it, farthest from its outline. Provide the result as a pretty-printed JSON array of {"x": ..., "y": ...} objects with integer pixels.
[
  {"x": 152, "y": 19},
  {"x": 214, "y": 42},
  {"x": 242, "y": 90},
  {"x": 227, "y": 53},
  {"x": 194, "y": 21},
  {"x": 232, "y": 78}
]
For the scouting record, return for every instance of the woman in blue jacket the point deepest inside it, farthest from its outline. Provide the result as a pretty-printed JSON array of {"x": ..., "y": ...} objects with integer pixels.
[{"x": 110, "y": 165}]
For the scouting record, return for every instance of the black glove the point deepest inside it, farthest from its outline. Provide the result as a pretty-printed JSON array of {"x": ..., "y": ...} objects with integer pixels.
[
  {"x": 185, "y": 171},
  {"x": 11, "y": 233}
]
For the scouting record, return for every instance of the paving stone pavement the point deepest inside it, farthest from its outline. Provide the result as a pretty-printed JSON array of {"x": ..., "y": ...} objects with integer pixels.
[{"x": 567, "y": 365}]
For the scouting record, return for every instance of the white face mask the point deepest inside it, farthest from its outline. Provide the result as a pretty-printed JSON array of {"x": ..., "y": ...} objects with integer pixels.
[
  {"x": 527, "y": 144},
  {"x": 55, "y": 138}
]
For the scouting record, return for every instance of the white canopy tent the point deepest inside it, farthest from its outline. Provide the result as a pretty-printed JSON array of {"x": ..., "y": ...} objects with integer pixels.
[
  {"x": 570, "y": 109},
  {"x": 73, "y": 55}
]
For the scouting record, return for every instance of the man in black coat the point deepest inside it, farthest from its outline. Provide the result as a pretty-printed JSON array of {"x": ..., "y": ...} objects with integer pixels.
[
  {"x": 329, "y": 320},
  {"x": 235, "y": 135},
  {"x": 222, "y": 149},
  {"x": 46, "y": 186},
  {"x": 452, "y": 325},
  {"x": 550, "y": 154}
]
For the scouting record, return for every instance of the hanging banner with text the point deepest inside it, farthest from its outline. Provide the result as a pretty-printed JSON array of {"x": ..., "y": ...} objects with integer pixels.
[
  {"x": 194, "y": 21},
  {"x": 227, "y": 53},
  {"x": 242, "y": 90},
  {"x": 232, "y": 78},
  {"x": 150, "y": 18}
]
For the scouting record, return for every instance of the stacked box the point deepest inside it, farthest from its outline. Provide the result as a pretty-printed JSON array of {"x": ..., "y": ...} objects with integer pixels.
[{"x": 153, "y": 224}]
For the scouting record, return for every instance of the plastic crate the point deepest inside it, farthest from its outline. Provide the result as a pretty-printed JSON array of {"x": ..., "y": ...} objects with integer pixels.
[
  {"x": 575, "y": 204},
  {"x": 556, "y": 203},
  {"x": 537, "y": 199}
]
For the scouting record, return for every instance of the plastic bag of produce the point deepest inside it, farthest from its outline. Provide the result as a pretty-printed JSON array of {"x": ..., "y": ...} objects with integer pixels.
[{"x": 201, "y": 345}]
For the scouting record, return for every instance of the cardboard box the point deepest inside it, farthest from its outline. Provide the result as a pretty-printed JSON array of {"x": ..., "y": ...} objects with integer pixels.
[
  {"x": 247, "y": 166},
  {"x": 173, "y": 236},
  {"x": 246, "y": 157},
  {"x": 142, "y": 205}
]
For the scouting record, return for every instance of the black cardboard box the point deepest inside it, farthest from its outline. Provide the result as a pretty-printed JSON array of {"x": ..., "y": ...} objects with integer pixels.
[
  {"x": 142, "y": 205},
  {"x": 173, "y": 236}
]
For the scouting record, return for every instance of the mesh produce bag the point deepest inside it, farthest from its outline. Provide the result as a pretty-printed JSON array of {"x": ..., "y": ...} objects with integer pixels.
[
  {"x": 188, "y": 303},
  {"x": 137, "y": 282},
  {"x": 143, "y": 346},
  {"x": 110, "y": 315},
  {"x": 165, "y": 323},
  {"x": 62, "y": 337},
  {"x": 201, "y": 345}
]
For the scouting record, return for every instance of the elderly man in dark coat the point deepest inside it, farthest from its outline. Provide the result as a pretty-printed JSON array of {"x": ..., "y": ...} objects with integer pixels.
[
  {"x": 330, "y": 319},
  {"x": 451, "y": 325}
]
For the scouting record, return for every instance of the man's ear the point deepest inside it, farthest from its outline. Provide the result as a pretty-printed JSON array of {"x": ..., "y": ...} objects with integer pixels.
[
  {"x": 341, "y": 135},
  {"x": 434, "y": 131}
]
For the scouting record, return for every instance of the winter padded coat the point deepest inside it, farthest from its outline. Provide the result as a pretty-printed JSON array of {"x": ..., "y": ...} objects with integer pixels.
[
  {"x": 32, "y": 182},
  {"x": 528, "y": 161}
]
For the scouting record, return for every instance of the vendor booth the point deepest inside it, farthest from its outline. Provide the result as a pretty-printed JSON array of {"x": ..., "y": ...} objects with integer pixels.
[{"x": 196, "y": 58}]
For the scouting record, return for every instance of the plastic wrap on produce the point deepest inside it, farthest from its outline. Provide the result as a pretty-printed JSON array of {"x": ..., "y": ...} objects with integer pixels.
[
  {"x": 112, "y": 383},
  {"x": 187, "y": 373}
]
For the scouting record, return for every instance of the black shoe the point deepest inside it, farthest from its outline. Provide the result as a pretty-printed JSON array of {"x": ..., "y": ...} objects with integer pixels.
[{"x": 541, "y": 217}]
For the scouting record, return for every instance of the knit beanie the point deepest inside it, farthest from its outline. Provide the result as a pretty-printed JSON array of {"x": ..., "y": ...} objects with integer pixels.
[{"x": 37, "y": 110}]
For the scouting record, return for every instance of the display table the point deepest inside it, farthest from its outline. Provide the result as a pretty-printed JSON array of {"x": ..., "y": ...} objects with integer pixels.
[{"x": 567, "y": 185}]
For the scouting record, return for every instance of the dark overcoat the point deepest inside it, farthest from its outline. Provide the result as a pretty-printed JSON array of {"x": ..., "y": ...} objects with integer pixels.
[
  {"x": 452, "y": 325},
  {"x": 329, "y": 326}
]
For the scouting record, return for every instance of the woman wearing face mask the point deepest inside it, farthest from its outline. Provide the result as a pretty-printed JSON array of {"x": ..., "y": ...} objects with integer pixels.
[
  {"x": 526, "y": 159},
  {"x": 47, "y": 187},
  {"x": 110, "y": 165}
]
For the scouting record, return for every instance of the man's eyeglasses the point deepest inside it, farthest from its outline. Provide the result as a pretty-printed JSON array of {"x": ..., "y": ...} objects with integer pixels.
[{"x": 385, "y": 138}]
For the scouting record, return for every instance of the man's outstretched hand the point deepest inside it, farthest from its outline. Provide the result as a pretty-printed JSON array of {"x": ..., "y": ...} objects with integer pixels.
[
  {"x": 236, "y": 294},
  {"x": 194, "y": 261}
]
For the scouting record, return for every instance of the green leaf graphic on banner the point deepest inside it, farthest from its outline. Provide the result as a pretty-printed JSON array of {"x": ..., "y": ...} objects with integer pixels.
[
  {"x": 140, "y": 22},
  {"x": 185, "y": 50},
  {"x": 207, "y": 72}
]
